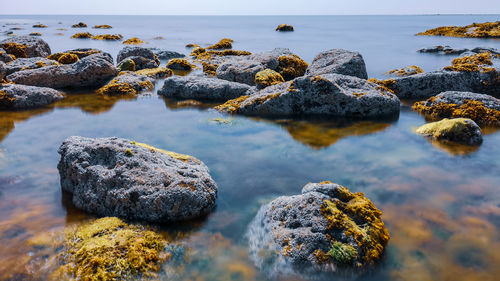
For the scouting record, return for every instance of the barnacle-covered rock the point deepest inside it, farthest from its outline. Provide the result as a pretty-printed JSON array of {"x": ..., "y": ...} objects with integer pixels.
[
  {"x": 326, "y": 231},
  {"x": 34, "y": 47},
  {"x": 123, "y": 178},
  {"x": 338, "y": 61},
  {"x": 459, "y": 130}
]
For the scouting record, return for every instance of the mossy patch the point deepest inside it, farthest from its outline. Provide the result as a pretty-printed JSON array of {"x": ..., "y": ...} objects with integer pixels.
[
  {"x": 406, "y": 71},
  {"x": 291, "y": 66},
  {"x": 284, "y": 27},
  {"x": 475, "y": 30},
  {"x": 267, "y": 78},
  {"x": 471, "y": 63},
  {"x": 15, "y": 49},
  {"x": 108, "y": 37},
  {"x": 110, "y": 249},
  {"x": 439, "y": 130},
  {"x": 343, "y": 253},
  {"x": 102, "y": 26},
  {"x": 79, "y": 25},
  {"x": 224, "y": 43},
  {"x": 180, "y": 64},
  {"x": 172, "y": 154},
  {"x": 83, "y": 35},
  {"x": 133, "y": 41}
]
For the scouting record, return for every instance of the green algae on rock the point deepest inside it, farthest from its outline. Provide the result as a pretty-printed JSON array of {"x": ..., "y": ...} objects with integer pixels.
[
  {"x": 475, "y": 30},
  {"x": 110, "y": 249},
  {"x": 460, "y": 130},
  {"x": 267, "y": 78},
  {"x": 284, "y": 27}
]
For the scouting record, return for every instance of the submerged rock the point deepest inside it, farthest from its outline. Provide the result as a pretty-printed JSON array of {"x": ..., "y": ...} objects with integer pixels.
[
  {"x": 28, "y": 63},
  {"x": 483, "y": 109},
  {"x": 188, "y": 87},
  {"x": 90, "y": 71},
  {"x": 460, "y": 130},
  {"x": 326, "y": 231},
  {"x": 338, "y": 61},
  {"x": 165, "y": 54},
  {"x": 14, "y": 96},
  {"x": 34, "y": 47},
  {"x": 118, "y": 177},
  {"x": 129, "y": 83},
  {"x": 329, "y": 94},
  {"x": 445, "y": 50}
]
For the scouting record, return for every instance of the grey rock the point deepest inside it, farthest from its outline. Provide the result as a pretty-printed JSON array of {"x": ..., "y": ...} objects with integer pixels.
[
  {"x": 28, "y": 63},
  {"x": 35, "y": 47},
  {"x": 458, "y": 130},
  {"x": 287, "y": 232},
  {"x": 90, "y": 71},
  {"x": 243, "y": 69},
  {"x": 117, "y": 177},
  {"x": 338, "y": 61},
  {"x": 134, "y": 51},
  {"x": 329, "y": 94},
  {"x": 188, "y": 87},
  {"x": 85, "y": 52},
  {"x": 459, "y": 98},
  {"x": 142, "y": 62},
  {"x": 3, "y": 70},
  {"x": 486, "y": 49},
  {"x": 24, "y": 97},
  {"x": 166, "y": 54},
  {"x": 4, "y": 57},
  {"x": 426, "y": 85},
  {"x": 444, "y": 50}
]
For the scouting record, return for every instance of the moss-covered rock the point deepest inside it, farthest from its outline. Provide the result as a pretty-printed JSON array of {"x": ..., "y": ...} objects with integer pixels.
[
  {"x": 224, "y": 43},
  {"x": 15, "y": 49},
  {"x": 126, "y": 65},
  {"x": 79, "y": 25},
  {"x": 291, "y": 67},
  {"x": 323, "y": 231},
  {"x": 180, "y": 64},
  {"x": 127, "y": 84},
  {"x": 108, "y": 37},
  {"x": 133, "y": 41},
  {"x": 267, "y": 78},
  {"x": 35, "y": 34},
  {"x": 159, "y": 72},
  {"x": 39, "y": 25},
  {"x": 475, "y": 62},
  {"x": 67, "y": 58},
  {"x": 475, "y": 30},
  {"x": 102, "y": 26},
  {"x": 110, "y": 249},
  {"x": 83, "y": 35},
  {"x": 284, "y": 27},
  {"x": 406, "y": 71},
  {"x": 460, "y": 130}
]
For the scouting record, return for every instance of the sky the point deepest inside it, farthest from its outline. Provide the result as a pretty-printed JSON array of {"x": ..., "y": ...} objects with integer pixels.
[{"x": 249, "y": 7}]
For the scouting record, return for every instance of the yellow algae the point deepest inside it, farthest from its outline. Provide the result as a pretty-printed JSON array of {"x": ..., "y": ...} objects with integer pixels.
[
  {"x": 444, "y": 127},
  {"x": 232, "y": 106},
  {"x": 291, "y": 66},
  {"x": 180, "y": 64},
  {"x": 108, "y": 37},
  {"x": 35, "y": 34},
  {"x": 224, "y": 43},
  {"x": 202, "y": 54},
  {"x": 475, "y": 30},
  {"x": 267, "y": 78},
  {"x": 172, "y": 154},
  {"x": 117, "y": 89},
  {"x": 407, "y": 71},
  {"x": 127, "y": 65},
  {"x": 284, "y": 27},
  {"x": 385, "y": 85},
  {"x": 110, "y": 249},
  {"x": 192, "y": 46},
  {"x": 15, "y": 49},
  {"x": 159, "y": 72},
  {"x": 471, "y": 63},
  {"x": 83, "y": 35},
  {"x": 67, "y": 58},
  {"x": 102, "y": 26},
  {"x": 79, "y": 25},
  {"x": 133, "y": 41},
  {"x": 209, "y": 69},
  {"x": 6, "y": 100},
  {"x": 39, "y": 26}
]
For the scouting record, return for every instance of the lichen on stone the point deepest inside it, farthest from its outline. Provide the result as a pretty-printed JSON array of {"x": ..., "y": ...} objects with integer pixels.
[
  {"x": 284, "y": 27},
  {"x": 267, "y": 78},
  {"x": 83, "y": 35},
  {"x": 224, "y": 43},
  {"x": 180, "y": 64},
  {"x": 471, "y": 63},
  {"x": 110, "y": 249},
  {"x": 133, "y": 41},
  {"x": 475, "y": 30},
  {"x": 406, "y": 71},
  {"x": 108, "y": 37},
  {"x": 291, "y": 66}
]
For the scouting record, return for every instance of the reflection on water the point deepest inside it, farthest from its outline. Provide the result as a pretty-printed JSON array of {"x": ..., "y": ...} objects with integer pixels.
[
  {"x": 9, "y": 118},
  {"x": 454, "y": 148},
  {"x": 92, "y": 103}
]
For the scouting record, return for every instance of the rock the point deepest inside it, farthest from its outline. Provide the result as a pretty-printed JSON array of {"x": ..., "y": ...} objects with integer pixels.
[
  {"x": 188, "y": 87},
  {"x": 142, "y": 62},
  {"x": 284, "y": 27},
  {"x": 14, "y": 96},
  {"x": 156, "y": 73},
  {"x": 81, "y": 53},
  {"x": 329, "y": 94},
  {"x": 243, "y": 69},
  {"x": 267, "y": 77},
  {"x": 478, "y": 50},
  {"x": 28, "y": 63},
  {"x": 128, "y": 83},
  {"x": 291, "y": 67},
  {"x": 4, "y": 57},
  {"x": 325, "y": 232},
  {"x": 165, "y": 54},
  {"x": 483, "y": 109},
  {"x": 134, "y": 51},
  {"x": 224, "y": 43},
  {"x": 445, "y": 50},
  {"x": 118, "y": 177},
  {"x": 35, "y": 47},
  {"x": 406, "y": 71},
  {"x": 475, "y": 30},
  {"x": 126, "y": 65},
  {"x": 79, "y": 25},
  {"x": 82, "y": 35},
  {"x": 3, "y": 70},
  {"x": 108, "y": 37},
  {"x": 338, "y": 61},
  {"x": 133, "y": 41},
  {"x": 180, "y": 64},
  {"x": 459, "y": 130},
  {"x": 90, "y": 71}
]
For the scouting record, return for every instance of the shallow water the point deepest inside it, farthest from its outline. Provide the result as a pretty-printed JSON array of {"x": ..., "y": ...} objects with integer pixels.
[{"x": 441, "y": 203}]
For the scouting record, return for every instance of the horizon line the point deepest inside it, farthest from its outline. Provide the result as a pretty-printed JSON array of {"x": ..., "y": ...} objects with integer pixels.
[{"x": 265, "y": 15}]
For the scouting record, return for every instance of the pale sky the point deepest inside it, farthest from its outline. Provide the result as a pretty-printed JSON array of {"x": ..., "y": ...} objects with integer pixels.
[{"x": 249, "y": 7}]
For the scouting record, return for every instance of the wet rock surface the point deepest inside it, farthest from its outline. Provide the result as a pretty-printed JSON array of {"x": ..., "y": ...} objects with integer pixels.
[
  {"x": 90, "y": 71},
  {"x": 325, "y": 231},
  {"x": 329, "y": 94},
  {"x": 203, "y": 88},
  {"x": 338, "y": 61},
  {"x": 118, "y": 177},
  {"x": 459, "y": 130},
  {"x": 14, "y": 96},
  {"x": 35, "y": 47}
]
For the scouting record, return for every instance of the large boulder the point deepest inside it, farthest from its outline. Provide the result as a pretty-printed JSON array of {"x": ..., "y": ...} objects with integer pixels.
[
  {"x": 243, "y": 69},
  {"x": 166, "y": 54},
  {"x": 143, "y": 57},
  {"x": 338, "y": 61},
  {"x": 326, "y": 231},
  {"x": 28, "y": 63},
  {"x": 90, "y": 71},
  {"x": 459, "y": 130},
  {"x": 118, "y": 177},
  {"x": 14, "y": 96},
  {"x": 329, "y": 94},
  {"x": 35, "y": 47},
  {"x": 188, "y": 87}
]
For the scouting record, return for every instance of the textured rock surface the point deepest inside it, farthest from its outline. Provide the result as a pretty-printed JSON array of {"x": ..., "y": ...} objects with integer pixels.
[
  {"x": 338, "y": 61},
  {"x": 90, "y": 71},
  {"x": 329, "y": 94},
  {"x": 133, "y": 51},
  {"x": 459, "y": 98},
  {"x": 117, "y": 177},
  {"x": 3, "y": 70},
  {"x": 83, "y": 52},
  {"x": 460, "y": 130},
  {"x": 35, "y": 47},
  {"x": 4, "y": 57},
  {"x": 243, "y": 69},
  {"x": 14, "y": 96},
  {"x": 128, "y": 83},
  {"x": 166, "y": 54},
  {"x": 28, "y": 63},
  {"x": 325, "y": 230},
  {"x": 142, "y": 62},
  {"x": 189, "y": 87}
]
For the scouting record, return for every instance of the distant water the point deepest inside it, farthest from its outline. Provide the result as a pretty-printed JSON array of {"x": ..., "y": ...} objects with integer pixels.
[{"x": 441, "y": 203}]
